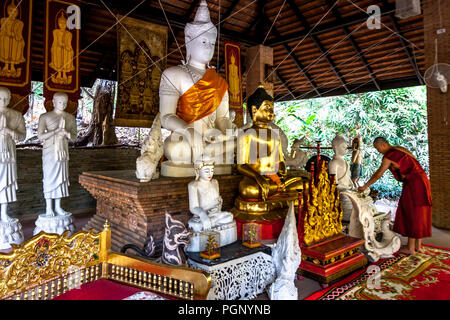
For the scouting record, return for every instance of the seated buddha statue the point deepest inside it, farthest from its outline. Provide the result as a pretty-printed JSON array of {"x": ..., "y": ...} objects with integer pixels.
[
  {"x": 205, "y": 203},
  {"x": 194, "y": 103},
  {"x": 261, "y": 162}
]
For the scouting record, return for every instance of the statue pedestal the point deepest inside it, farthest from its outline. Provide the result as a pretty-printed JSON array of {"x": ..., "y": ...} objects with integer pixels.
[
  {"x": 137, "y": 210},
  {"x": 170, "y": 169},
  {"x": 240, "y": 273},
  {"x": 332, "y": 259},
  {"x": 54, "y": 224},
  {"x": 270, "y": 214},
  {"x": 228, "y": 235},
  {"x": 10, "y": 233}
]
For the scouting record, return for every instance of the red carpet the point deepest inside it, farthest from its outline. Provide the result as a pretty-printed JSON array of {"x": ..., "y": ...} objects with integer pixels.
[
  {"x": 423, "y": 276},
  {"x": 99, "y": 290}
]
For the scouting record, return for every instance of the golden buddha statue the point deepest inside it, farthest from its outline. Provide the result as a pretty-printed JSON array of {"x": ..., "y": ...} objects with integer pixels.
[
  {"x": 12, "y": 43},
  {"x": 266, "y": 188},
  {"x": 234, "y": 80},
  {"x": 62, "y": 53}
]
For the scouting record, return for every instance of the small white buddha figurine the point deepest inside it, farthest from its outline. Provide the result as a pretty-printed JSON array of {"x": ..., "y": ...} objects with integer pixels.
[
  {"x": 194, "y": 102},
  {"x": 12, "y": 128},
  {"x": 205, "y": 202},
  {"x": 55, "y": 129}
]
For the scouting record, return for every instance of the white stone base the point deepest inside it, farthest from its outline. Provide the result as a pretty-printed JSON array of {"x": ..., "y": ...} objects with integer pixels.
[
  {"x": 170, "y": 169},
  {"x": 228, "y": 235},
  {"x": 54, "y": 224},
  {"x": 10, "y": 233}
]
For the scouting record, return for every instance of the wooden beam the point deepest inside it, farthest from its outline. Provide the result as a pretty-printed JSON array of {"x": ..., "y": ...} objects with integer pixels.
[
  {"x": 316, "y": 40},
  {"x": 405, "y": 46},
  {"x": 352, "y": 40},
  {"x": 296, "y": 61},
  {"x": 157, "y": 16},
  {"x": 356, "y": 88},
  {"x": 285, "y": 84},
  {"x": 330, "y": 26}
]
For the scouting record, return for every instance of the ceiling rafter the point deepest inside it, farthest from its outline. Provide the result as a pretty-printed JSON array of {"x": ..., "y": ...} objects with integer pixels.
[
  {"x": 404, "y": 45},
  {"x": 354, "y": 44},
  {"x": 319, "y": 45},
  {"x": 330, "y": 26}
]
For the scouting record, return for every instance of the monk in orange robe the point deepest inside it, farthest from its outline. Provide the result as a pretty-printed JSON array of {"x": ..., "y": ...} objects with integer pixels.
[{"x": 413, "y": 216}]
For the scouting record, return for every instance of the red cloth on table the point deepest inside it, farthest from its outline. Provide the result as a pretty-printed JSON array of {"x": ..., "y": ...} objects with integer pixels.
[
  {"x": 413, "y": 217},
  {"x": 100, "y": 289}
]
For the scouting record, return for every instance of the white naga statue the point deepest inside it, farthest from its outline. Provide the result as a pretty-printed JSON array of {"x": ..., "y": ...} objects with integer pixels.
[
  {"x": 55, "y": 129},
  {"x": 194, "y": 104},
  {"x": 286, "y": 256},
  {"x": 205, "y": 203},
  {"x": 12, "y": 128},
  {"x": 151, "y": 153},
  {"x": 364, "y": 210}
]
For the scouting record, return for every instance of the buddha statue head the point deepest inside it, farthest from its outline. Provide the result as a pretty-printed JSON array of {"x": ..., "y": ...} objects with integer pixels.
[
  {"x": 5, "y": 97},
  {"x": 200, "y": 36},
  {"x": 204, "y": 169},
  {"x": 60, "y": 100},
  {"x": 260, "y": 106},
  {"x": 339, "y": 145},
  {"x": 12, "y": 10},
  {"x": 62, "y": 21}
]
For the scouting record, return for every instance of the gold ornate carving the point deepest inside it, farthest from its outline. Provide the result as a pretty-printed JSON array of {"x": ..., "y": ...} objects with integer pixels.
[
  {"x": 323, "y": 218},
  {"x": 46, "y": 256}
]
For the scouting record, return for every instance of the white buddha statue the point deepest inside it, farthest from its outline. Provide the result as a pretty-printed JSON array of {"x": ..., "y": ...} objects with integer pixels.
[
  {"x": 194, "y": 103},
  {"x": 339, "y": 167},
  {"x": 12, "y": 128},
  {"x": 205, "y": 203},
  {"x": 55, "y": 129}
]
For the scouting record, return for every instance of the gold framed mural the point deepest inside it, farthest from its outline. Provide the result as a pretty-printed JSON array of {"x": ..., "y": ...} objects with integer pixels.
[{"x": 142, "y": 50}]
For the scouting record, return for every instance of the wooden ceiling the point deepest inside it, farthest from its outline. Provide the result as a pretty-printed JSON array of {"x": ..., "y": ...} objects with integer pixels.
[{"x": 321, "y": 47}]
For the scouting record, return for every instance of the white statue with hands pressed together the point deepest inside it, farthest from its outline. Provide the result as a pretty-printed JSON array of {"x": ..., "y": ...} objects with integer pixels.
[
  {"x": 55, "y": 129},
  {"x": 12, "y": 128}
]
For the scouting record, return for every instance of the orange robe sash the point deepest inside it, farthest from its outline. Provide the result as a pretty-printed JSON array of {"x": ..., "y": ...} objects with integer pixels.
[{"x": 202, "y": 98}]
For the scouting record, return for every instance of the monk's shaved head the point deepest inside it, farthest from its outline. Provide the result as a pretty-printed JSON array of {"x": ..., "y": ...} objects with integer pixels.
[
  {"x": 381, "y": 144},
  {"x": 379, "y": 140}
]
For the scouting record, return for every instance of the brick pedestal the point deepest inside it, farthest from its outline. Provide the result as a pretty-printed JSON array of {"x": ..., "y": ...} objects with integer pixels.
[{"x": 136, "y": 210}]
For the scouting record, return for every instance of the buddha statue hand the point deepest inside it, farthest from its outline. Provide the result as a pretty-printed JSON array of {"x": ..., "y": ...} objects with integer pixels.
[
  {"x": 264, "y": 185},
  {"x": 205, "y": 220},
  {"x": 196, "y": 142}
]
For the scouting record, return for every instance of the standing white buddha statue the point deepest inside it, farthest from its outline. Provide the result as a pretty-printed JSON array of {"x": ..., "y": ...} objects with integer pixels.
[
  {"x": 12, "y": 128},
  {"x": 55, "y": 129},
  {"x": 205, "y": 203},
  {"x": 194, "y": 104}
]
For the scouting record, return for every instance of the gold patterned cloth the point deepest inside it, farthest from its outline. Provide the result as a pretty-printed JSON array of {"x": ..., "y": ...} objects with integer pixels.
[{"x": 202, "y": 98}]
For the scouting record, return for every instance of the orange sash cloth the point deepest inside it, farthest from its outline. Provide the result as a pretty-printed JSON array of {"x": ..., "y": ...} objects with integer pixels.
[{"x": 202, "y": 98}]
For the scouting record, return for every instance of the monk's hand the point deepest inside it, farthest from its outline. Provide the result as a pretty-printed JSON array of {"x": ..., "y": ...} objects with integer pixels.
[{"x": 361, "y": 189}]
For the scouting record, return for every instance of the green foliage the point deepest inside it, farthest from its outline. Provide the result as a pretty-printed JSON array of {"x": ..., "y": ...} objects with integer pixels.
[{"x": 399, "y": 115}]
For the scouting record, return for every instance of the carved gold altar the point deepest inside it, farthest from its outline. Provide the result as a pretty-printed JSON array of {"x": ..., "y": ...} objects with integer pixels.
[
  {"x": 142, "y": 47},
  {"x": 42, "y": 267},
  {"x": 323, "y": 217},
  {"x": 327, "y": 254}
]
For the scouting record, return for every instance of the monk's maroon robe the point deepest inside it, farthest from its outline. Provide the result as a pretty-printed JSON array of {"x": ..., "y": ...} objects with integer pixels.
[{"x": 413, "y": 217}]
